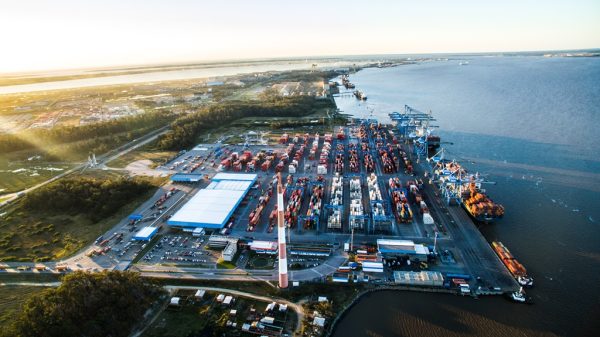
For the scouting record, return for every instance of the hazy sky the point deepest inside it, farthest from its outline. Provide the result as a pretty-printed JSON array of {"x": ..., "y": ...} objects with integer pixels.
[{"x": 55, "y": 34}]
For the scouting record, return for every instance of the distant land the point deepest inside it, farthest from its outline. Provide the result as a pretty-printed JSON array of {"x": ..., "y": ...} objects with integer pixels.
[{"x": 13, "y": 79}]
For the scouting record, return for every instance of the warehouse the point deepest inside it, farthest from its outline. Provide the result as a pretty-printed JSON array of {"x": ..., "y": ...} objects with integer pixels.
[
  {"x": 396, "y": 248},
  {"x": 264, "y": 247},
  {"x": 187, "y": 177},
  {"x": 211, "y": 207},
  {"x": 145, "y": 234},
  {"x": 423, "y": 278}
]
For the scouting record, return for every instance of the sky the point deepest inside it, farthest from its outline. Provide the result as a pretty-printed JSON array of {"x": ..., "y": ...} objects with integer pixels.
[{"x": 63, "y": 34}]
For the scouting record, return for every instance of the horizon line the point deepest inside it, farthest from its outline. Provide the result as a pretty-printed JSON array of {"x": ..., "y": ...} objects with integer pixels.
[{"x": 215, "y": 61}]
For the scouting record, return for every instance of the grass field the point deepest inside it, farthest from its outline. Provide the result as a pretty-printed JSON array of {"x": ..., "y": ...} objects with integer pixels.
[
  {"x": 156, "y": 157},
  {"x": 42, "y": 236}
]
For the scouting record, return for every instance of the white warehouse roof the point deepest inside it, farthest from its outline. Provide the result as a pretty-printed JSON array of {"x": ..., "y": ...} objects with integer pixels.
[
  {"x": 212, "y": 207},
  {"x": 234, "y": 176}
]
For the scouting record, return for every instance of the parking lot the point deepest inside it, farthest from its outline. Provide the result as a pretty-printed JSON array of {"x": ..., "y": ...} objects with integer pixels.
[{"x": 181, "y": 249}]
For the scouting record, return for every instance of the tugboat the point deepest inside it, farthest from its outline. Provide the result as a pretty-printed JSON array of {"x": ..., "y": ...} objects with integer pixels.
[
  {"x": 360, "y": 95},
  {"x": 518, "y": 296}
]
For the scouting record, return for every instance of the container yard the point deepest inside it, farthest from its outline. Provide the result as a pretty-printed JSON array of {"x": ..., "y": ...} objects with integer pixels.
[{"x": 356, "y": 184}]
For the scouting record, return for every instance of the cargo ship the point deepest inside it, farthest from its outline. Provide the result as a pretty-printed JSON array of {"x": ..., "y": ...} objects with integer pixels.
[
  {"x": 346, "y": 82},
  {"x": 480, "y": 206},
  {"x": 456, "y": 183},
  {"x": 516, "y": 269}
]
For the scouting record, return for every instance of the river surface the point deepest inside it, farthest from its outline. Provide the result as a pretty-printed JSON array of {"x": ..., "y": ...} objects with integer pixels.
[
  {"x": 531, "y": 124},
  {"x": 171, "y": 75}
]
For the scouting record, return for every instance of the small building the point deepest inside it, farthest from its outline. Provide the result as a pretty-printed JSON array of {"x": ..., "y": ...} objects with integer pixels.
[
  {"x": 398, "y": 248},
  {"x": 175, "y": 301},
  {"x": 199, "y": 294},
  {"x": 267, "y": 320},
  {"x": 199, "y": 231},
  {"x": 220, "y": 298},
  {"x": 319, "y": 321},
  {"x": 228, "y": 300},
  {"x": 232, "y": 312},
  {"x": 283, "y": 307},
  {"x": 229, "y": 252},
  {"x": 372, "y": 267},
  {"x": 264, "y": 247},
  {"x": 145, "y": 234},
  {"x": 340, "y": 278},
  {"x": 322, "y": 299},
  {"x": 271, "y": 306}
]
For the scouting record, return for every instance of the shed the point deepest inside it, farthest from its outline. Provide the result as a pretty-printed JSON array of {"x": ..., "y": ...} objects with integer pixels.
[
  {"x": 319, "y": 321},
  {"x": 200, "y": 293},
  {"x": 175, "y": 301},
  {"x": 145, "y": 234}
]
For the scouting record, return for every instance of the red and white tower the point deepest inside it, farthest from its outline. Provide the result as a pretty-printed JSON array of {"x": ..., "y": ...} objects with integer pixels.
[{"x": 283, "y": 276}]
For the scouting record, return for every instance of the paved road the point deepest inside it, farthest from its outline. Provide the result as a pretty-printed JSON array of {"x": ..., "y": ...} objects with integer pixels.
[
  {"x": 189, "y": 273},
  {"x": 102, "y": 159}
]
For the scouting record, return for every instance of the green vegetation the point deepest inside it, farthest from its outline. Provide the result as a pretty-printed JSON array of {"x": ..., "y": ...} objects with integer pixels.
[
  {"x": 60, "y": 218},
  {"x": 75, "y": 142},
  {"x": 11, "y": 300},
  {"x": 187, "y": 129},
  {"x": 202, "y": 318},
  {"x": 100, "y": 304},
  {"x": 222, "y": 264},
  {"x": 95, "y": 198},
  {"x": 146, "y": 152}
]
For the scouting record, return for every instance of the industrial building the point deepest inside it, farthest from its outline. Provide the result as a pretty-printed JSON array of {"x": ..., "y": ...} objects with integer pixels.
[
  {"x": 263, "y": 247},
  {"x": 422, "y": 278},
  {"x": 145, "y": 234},
  {"x": 397, "y": 248},
  {"x": 229, "y": 251},
  {"x": 187, "y": 177},
  {"x": 211, "y": 207},
  {"x": 228, "y": 244}
]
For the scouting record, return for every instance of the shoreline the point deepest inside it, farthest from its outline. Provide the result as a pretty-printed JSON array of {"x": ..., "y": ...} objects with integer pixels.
[{"x": 366, "y": 292}]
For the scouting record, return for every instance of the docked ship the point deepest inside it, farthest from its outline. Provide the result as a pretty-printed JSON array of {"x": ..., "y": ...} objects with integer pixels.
[
  {"x": 480, "y": 206},
  {"x": 360, "y": 95},
  {"x": 433, "y": 144},
  {"x": 516, "y": 269},
  {"x": 346, "y": 82}
]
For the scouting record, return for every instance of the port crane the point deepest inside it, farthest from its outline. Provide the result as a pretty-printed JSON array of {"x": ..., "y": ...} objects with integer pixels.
[
  {"x": 415, "y": 125},
  {"x": 453, "y": 179}
]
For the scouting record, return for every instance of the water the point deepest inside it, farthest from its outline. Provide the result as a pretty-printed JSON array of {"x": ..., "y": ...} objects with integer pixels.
[
  {"x": 530, "y": 124},
  {"x": 171, "y": 75}
]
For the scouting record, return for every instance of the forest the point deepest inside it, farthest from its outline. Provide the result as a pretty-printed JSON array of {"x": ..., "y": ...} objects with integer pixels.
[
  {"x": 95, "y": 198},
  {"x": 109, "y": 303},
  {"x": 95, "y": 137},
  {"x": 186, "y": 129}
]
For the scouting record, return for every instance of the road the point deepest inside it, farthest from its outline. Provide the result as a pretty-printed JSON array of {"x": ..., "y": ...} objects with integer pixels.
[
  {"x": 297, "y": 308},
  {"x": 304, "y": 275},
  {"x": 102, "y": 159}
]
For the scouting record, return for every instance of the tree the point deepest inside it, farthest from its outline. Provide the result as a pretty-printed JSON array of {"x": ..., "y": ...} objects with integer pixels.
[{"x": 85, "y": 304}]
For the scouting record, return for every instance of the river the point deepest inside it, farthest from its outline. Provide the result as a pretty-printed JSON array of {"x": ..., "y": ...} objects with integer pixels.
[{"x": 530, "y": 124}]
